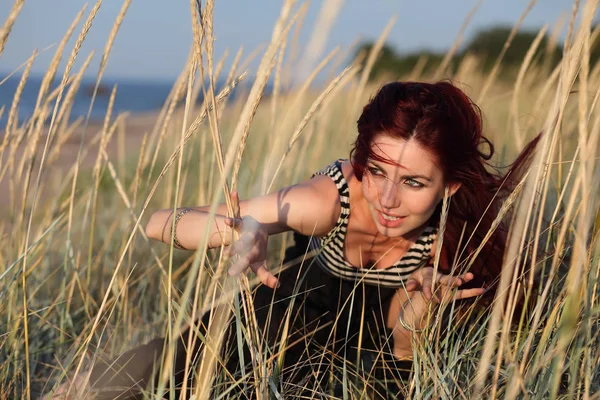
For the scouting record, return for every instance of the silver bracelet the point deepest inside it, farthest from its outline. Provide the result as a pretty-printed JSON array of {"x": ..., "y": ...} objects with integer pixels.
[
  {"x": 174, "y": 233},
  {"x": 403, "y": 322}
]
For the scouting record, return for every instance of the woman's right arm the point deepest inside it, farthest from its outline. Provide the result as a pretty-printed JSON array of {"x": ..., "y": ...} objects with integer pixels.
[{"x": 311, "y": 208}]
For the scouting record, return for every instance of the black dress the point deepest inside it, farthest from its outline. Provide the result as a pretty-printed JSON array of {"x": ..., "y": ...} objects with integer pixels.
[{"x": 337, "y": 334}]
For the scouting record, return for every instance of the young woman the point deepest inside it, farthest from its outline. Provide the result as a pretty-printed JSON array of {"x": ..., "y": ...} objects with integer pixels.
[{"x": 371, "y": 224}]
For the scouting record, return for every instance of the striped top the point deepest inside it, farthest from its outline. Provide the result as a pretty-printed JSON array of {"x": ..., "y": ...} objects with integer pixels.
[{"x": 330, "y": 248}]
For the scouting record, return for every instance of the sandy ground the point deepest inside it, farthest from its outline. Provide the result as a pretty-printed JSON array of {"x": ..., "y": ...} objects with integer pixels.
[{"x": 135, "y": 128}]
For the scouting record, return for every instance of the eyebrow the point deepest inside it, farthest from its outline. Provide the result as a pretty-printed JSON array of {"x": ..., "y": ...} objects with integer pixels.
[{"x": 401, "y": 176}]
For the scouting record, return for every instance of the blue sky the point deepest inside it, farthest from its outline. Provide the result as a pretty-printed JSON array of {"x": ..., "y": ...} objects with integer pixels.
[{"x": 155, "y": 37}]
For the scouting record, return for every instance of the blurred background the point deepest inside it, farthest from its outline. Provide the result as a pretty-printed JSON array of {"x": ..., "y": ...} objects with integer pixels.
[{"x": 154, "y": 41}]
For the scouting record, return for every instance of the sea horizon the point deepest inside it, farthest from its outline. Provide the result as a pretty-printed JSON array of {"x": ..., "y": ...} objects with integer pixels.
[{"x": 133, "y": 95}]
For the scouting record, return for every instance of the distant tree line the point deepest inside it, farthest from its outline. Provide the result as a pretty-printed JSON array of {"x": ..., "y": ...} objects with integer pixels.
[{"x": 486, "y": 46}]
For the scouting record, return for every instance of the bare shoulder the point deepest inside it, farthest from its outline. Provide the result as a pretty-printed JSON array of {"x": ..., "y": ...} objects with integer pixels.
[
  {"x": 354, "y": 185},
  {"x": 434, "y": 246},
  {"x": 310, "y": 207},
  {"x": 348, "y": 171},
  {"x": 318, "y": 202}
]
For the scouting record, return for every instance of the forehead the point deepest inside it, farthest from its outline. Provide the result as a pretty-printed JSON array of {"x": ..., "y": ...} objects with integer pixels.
[{"x": 409, "y": 155}]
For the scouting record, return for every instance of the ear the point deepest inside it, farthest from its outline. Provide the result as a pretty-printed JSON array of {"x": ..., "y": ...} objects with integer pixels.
[{"x": 453, "y": 187}]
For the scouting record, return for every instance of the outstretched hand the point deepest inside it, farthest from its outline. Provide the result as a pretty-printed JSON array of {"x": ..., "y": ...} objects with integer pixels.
[
  {"x": 428, "y": 288},
  {"x": 443, "y": 288},
  {"x": 251, "y": 246}
]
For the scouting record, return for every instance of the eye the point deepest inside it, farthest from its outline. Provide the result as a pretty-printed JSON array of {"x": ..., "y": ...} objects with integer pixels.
[
  {"x": 413, "y": 183},
  {"x": 375, "y": 171}
]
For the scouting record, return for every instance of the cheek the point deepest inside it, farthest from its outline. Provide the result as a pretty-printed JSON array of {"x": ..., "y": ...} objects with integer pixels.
[
  {"x": 421, "y": 202},
  {"x": 369, "y": 191}
]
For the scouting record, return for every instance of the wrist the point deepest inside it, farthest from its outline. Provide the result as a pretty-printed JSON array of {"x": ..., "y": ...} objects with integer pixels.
[{"x": 414, "y": 314}]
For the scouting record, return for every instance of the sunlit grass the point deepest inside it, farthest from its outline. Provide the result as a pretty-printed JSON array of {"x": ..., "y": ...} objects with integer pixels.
[{"x": 78, "y": 277}]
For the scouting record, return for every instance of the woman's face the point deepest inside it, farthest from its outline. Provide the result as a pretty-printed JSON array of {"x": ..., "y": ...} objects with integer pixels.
[{"x": 401, "y": 198}]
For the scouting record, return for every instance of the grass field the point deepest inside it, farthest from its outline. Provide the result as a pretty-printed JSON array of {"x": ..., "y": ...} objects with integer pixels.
[{"x": 79, "y": 278}]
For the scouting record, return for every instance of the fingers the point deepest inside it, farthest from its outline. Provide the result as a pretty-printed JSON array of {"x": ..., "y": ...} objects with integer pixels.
[
  {"x": 235, "y": 200},
  {"x": 411, "y": 285},
  {"x": 239, "y": 265},
  {"x": 259, "y": 268},
  {"x": 466, "y": 293},
  {"x": 264, "y": 275},
  {"x": 449, "y": 280},
  {"x": 454, "y": 281},
  {"x": 452, "y": 294},
  {"x": 235, "y": 223},
  {"x": 426, "y": 277},
  {"x": 449, "y": 284},
  {"x": 427, "y": 283},
  {"x": 241, "y": 246}
]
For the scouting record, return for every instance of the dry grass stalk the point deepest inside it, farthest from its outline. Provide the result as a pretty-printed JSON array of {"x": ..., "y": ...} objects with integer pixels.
[
  {"x": 173, "y": 335},
  {"x": 192, "y": 128},
  {"x": 65, "y": 112},
  {"x": 494, "y": 72},
  {"x": 216, "y": 330},
  {"x": 207, "y": 34},
  {"x": 91, "y": 206},
  {"x": 285, "y": 11},
  {"x": 289, "y": 70},
  {"x": 167, "y": 114},
  {"x": 67, "y": 73},
  {"x": 313, "y": 108},
  {"x": 441, "y": 69},
  {"x": 12, "y": 114},
  {"x": 240, "y": 134},
  {"x": 370, "y": 62},
  {"x": 28, "y": 230},
  {"x": 277, "y": 83},
  {"x": 518, "y": 83},
  {"x": 111, "y": 39},
  {"x": 103, "y": 61},
  {"x": 49, "y": 76},
  {"x": 291, "y": 115},
  {"x": 75, "y": 51},
  {"x": 36, "y": 123},
  {"x": 570, "y": 30},
  {"x": 328, "y": 13},
  {"x": 137, "y": 177},
  {"x": 10, "y": 21},
  {"x": 569, "y": 318},
  {"x": 520, "y": 226}
]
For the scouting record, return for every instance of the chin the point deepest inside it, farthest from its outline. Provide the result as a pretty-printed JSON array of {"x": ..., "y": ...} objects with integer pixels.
[
  {"x": 406, "y": 230},
  {"x": 392, "y": 232}
]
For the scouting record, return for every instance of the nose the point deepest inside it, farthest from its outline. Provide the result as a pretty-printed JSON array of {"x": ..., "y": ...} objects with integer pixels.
[{"x": 389, "y": 196}]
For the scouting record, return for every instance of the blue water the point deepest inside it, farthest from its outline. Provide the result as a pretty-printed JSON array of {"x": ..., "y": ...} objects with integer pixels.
[{"x": 131, "y": 96}]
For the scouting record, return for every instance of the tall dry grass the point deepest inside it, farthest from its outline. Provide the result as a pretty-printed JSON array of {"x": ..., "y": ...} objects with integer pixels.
[{"x": 79, "y": 279}]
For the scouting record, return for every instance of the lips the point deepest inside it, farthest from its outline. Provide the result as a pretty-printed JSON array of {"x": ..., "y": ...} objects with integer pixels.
[
  {"x": 388, "y": 214},
  {"x": 392, "y": 221}
]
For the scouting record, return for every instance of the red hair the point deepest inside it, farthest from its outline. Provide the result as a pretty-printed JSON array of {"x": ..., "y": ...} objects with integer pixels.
[{"x": 444, "y": 120}]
